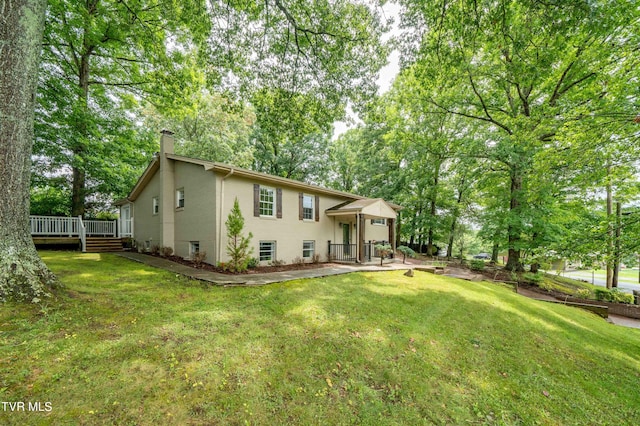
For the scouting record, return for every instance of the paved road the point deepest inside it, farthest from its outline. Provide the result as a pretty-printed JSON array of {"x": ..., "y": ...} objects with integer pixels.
[{"x": 598, "y": 279}]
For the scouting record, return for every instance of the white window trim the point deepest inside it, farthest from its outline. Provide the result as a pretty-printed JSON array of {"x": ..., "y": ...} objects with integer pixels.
[
  {"x": 384, "y": 223},
  {"x": 155, "y": 205},
  {"x": 178, "y": 198},
  {"x": 313, "y": 249},
  {"x": 273, "y": 202},
  {"x": 313, "y": 208},
  {"x": 274, "y": 251}
]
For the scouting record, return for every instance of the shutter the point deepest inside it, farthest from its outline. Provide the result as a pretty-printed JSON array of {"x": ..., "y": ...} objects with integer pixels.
[
  {"x": 256, "y": 200},
  {"x": 300, "y": 206},
  {"x": 317, "y": 208},
  {"x": 279, "y": 203}
]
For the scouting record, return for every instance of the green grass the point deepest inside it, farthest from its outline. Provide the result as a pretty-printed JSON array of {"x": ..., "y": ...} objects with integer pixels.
[
  {"x": 566, "y": 285},
  {"x": 629, "y": 274},
  {"x": 128, "y": 344}
]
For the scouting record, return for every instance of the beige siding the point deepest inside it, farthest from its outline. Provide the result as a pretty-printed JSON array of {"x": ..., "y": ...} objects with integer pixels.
[
  {"x": 375, "y": 232},
  {"x": 196, "y": 220},
  {"x": 146, "y": 225},
  {"x": 289, "y": 232}
]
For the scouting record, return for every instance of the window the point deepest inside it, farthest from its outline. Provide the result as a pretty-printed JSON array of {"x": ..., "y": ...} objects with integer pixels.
[
  {"x": 307, "y": 207},
  {"x": 267, "y": 250},
  {"x": 180, "y": 198},
  {"x": 156, "y": 205},
  {"x": 266, "y": 201},
  {"x": 308, "y": 249},
  {"x": 194, "y": 247},
  {"x": 378, "y": 221}
]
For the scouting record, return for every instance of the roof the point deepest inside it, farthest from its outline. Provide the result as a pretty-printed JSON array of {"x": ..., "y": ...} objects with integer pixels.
[
  {"x": 370, "y": 207},
  {"x": 154, "y": 165}
]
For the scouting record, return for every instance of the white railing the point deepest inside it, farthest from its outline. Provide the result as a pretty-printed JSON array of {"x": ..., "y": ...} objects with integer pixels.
[
  {"x": 83, "y": 235},
  {"x": 126, "y": 227},
  {"x": 103, "y": 228},
  {"x": 55, "y": 226},
  {"x": 52, "y": 226}
]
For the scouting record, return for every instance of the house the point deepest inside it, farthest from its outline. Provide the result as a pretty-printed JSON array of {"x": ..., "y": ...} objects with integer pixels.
[{"x": 183, "y": 203}]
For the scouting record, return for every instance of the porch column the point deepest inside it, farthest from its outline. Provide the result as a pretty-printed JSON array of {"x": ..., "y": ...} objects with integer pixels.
[{"x": 361, "y": 238}]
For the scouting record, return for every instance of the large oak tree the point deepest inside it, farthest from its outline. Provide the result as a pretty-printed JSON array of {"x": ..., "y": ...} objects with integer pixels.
[{"x": 23, "y": 276}]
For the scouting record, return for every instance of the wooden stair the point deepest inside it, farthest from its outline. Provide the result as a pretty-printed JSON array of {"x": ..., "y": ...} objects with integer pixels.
[{"x": 103, "y": 244}]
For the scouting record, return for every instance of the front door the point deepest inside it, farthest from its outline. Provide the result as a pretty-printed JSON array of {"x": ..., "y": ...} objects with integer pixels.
[{"x": 346, "y": 238}]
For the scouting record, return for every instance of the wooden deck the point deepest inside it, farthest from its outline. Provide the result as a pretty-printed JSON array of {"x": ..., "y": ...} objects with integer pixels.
[{"x": 61, "y": 241}]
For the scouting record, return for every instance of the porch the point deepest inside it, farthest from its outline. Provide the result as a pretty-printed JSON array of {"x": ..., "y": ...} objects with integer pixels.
[
  {"x": 88, "y": 235},
  {"x": 348, "y": 252},
  {"x": 358, "y": 222}
]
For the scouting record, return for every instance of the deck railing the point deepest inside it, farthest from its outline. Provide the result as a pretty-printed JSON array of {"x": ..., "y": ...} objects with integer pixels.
[
  {"x": 101, "y": 228},
  {"x": 349, "y": 252},
  {"x": 343, "y": 252},
  {"x": 54, "y": 226}
]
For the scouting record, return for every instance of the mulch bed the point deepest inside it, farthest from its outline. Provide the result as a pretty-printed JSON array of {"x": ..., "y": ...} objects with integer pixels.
[{"x": 256, "y": 270}]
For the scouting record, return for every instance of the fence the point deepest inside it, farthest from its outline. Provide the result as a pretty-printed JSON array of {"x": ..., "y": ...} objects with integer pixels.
[{"x": 343, "y": 252}]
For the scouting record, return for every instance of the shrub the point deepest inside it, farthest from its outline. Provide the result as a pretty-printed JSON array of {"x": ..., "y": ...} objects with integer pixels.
[
  {"x": 155, "y": 249},
  {"x": 276, "y": 262},
  {"x": 315, "y": 258},
  {"x": 603, "y": 294},
  {"x": 476, "y": 265},
  {"x": 533, "y": 278},
  {"x": 222, "y": 265},
  {"x": 166, "y": 251},
  {"x": 620, "y": 296},
  {"x": 199, "y": 257},
  {"x": 254, "y": 262},
  {"x": 546, "y": 285},
  {"x": 298, "y": 261},
  {"x": 406, "y": 252},
  {"x": 583, "y": 293}
]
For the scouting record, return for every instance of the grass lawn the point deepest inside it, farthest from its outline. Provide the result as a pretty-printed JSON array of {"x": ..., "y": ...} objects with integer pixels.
[
  {"x": 128, "y": 344},
  {"x": 629, "y": 274}
]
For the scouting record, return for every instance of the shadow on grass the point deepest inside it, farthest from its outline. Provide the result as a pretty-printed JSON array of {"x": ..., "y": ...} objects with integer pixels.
[{"x": 142, "y": 346}]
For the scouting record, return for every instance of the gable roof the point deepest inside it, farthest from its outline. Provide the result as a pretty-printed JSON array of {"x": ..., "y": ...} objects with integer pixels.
[
  {"x": 370, "y": 207},
  {"x": 212, "y": 166}
]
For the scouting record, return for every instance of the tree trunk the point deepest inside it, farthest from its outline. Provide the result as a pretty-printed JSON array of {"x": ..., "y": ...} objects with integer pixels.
[
  {"x": 78, "y": 166},
  {"x": 454, "y": 220},
  {"x": 609, "y": 254},
  {"x": 514, "y": 263},
  {"x": 23, "y": 275},
  {"x": 616, "y": 249},
  {"x": 452, "y": 231},
  {"x": 494, "y": 252}
]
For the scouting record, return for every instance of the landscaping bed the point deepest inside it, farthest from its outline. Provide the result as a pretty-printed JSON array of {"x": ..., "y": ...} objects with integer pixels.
[{"x": 251, "y": 270}]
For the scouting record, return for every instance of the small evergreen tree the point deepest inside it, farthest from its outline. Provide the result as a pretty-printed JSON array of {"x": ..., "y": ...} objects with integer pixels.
[
  {"x": 237, "y": 244},
  {"x": 406, "y": 252},
  {"x": 384, "y": 250}
]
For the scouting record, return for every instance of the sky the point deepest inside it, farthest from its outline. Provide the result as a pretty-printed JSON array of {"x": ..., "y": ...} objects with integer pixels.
[{"x": 387, "y": 73}]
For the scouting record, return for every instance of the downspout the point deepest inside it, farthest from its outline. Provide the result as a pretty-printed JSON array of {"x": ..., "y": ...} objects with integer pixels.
[{"x": 219, "y": 250}]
